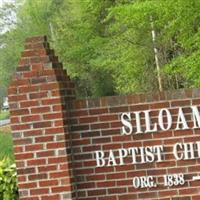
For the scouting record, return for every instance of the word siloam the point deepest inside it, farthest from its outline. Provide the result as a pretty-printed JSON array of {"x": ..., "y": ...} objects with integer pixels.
[{"x": 181, "y": 122}]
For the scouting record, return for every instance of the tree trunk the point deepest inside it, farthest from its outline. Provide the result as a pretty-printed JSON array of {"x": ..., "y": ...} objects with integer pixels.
[{"x": 153, "y": 34}]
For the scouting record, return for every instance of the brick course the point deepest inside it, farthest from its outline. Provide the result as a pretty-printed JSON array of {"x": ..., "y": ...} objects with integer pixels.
[
  {"x": 42, "y": 147},
  {"x": 55, "y": 136}
]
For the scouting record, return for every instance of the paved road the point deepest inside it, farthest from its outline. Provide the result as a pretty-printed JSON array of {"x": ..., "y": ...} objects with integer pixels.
[{"x": 4, "y": 122}]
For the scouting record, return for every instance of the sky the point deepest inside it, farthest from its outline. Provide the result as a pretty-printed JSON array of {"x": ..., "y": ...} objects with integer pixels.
[
  {"x": 11, "y": 16},
  {"x": 5, "y": 1}
]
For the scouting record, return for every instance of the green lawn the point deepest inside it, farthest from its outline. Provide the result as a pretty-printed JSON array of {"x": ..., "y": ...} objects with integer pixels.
[
  {"x": 4, "y": 115},
  {"x": 6, "y": 146},
  {"x": 6, "y": 143}
]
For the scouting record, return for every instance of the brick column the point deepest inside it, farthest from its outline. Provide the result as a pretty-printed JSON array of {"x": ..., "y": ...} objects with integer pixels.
[{"x": 37, "y": 96}]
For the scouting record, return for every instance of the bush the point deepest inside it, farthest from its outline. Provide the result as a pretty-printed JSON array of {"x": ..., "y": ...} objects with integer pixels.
[{"x": 8, "y": 180}]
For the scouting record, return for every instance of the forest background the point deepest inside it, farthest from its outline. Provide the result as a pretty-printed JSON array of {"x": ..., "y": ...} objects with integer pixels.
[{"x": 109, "y": 47}]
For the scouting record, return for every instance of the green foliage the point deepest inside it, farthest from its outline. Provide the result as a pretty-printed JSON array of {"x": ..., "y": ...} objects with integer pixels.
[
  {"x": 107, "y": 46},
  {"x": 183, "y": 31},
  {"x": 6, "y": 145},
  {"x": 8, "y": 180}
]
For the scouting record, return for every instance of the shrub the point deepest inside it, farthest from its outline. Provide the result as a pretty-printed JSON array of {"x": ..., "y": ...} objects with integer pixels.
[{"x": 8, "y": 180}]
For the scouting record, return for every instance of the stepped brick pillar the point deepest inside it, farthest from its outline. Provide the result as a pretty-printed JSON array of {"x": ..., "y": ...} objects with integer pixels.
[{"x": 38, "y": 96}]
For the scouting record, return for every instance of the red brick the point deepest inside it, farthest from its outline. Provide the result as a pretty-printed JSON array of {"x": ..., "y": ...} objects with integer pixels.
[
  {"x": 23, "y": 141},
  {"x": 115, "y": 176},
  {"x": 37, "y": 177},
  {"x": 53, "y": 116},
  {"x": 23, "y": 156},
  {"x": 31, "y": 118},
  {"x": 148, "y": 195},
  {"x": 28, "y": 185},
  {"x": 105, "y": 184},
  {"x": 118, "y": 109},
  {"x": 54, "y": 130},
  {"x": 48, "y": 168},
  {"x": 116, "y": 190},
  {"x": 28, "y": 104},
  {"x": 61, "y": 189},
  {"x": 108, "y": 117},
  {"x": 28, "y": 88},
  {"x": 59, "y": 174},
  {"x": 57, "y": 160},
  {"x": 51, "y": 197},
  {"x": 19, "y": 112},
  {"x": 48, "y": 183},
  {"x": 29, "y": 198},
  {"x": 18, "y": 149},
  {"x": 37, "y": 162},
  {"x": 43, "y": 109},
  {"x": 18, "y": 98},
  {"x": 32, "y": 133},
  {"x": 88, "y": 120},
  {"x": 181, "y": 103},
  {"x": 12, "y": 91},
  {"x": 21, "y": 82},
  {"x": 20, "y": 127},
  {"x": 52, "y": 101},
  {"x": 78, "y": 113},
  {"x": 41, "y": 124},
  {"x": 96, "y": 192},
  {"x": 15, "y": 120},
  {"x": 56, "y": 145},
  {"x": 45, "y": 154},
  {"x": 34, "y": 147},
  {"x": 44, "y": 139},
  {"x": 26, "y": 171},
  {"x": 100, "y": 126},
  {"x": 128, "y": 197},
  {"x": 188, "y": 191},
  {"x": 38, "y": 95},
  {"x": 98, "y": 111},
  {"x": 39, "y": 191},
  {"x": 196, "y": 197},
  {"x": 50, "y": 86},
  {"x": 59, "y": 122}
]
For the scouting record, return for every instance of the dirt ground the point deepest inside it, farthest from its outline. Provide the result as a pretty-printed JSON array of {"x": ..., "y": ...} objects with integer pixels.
[{"x": 5, "y": 129}]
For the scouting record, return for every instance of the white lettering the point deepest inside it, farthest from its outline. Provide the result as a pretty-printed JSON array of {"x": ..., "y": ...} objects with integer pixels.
[
  {"x": 178, "y": 156},
  {"x": 100, "y": 158},
  {"x": 123, "y": 153},
  {"x": 188, "y": 151},
  {"x": 148, "y": 122},
  {"x": 195, "y": 117},
  {"x": 143, "y": 182},
  {"x": 138, "y": 122},
  {"x": 181, "y": 120},
  {"x": 111, "y": 159},
  {"x": 161, "y": 121},
  {"x": 127, "y": 129}
]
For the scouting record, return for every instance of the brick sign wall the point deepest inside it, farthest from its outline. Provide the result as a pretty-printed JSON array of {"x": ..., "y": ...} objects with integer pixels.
[{"x": 112, "y": 148}]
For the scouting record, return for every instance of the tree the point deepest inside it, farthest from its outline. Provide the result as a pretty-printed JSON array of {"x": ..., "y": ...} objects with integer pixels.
[{"x": 107, "y": 45}]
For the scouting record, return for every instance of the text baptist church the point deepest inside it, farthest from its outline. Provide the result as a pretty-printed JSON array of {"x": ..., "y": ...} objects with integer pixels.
[{"x": 148, "y": 154}]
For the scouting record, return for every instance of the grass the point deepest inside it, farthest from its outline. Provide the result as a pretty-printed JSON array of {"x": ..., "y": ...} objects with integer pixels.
[
  {"x": 6, "y": 145},
  {"x": 4, "y": 115}
]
